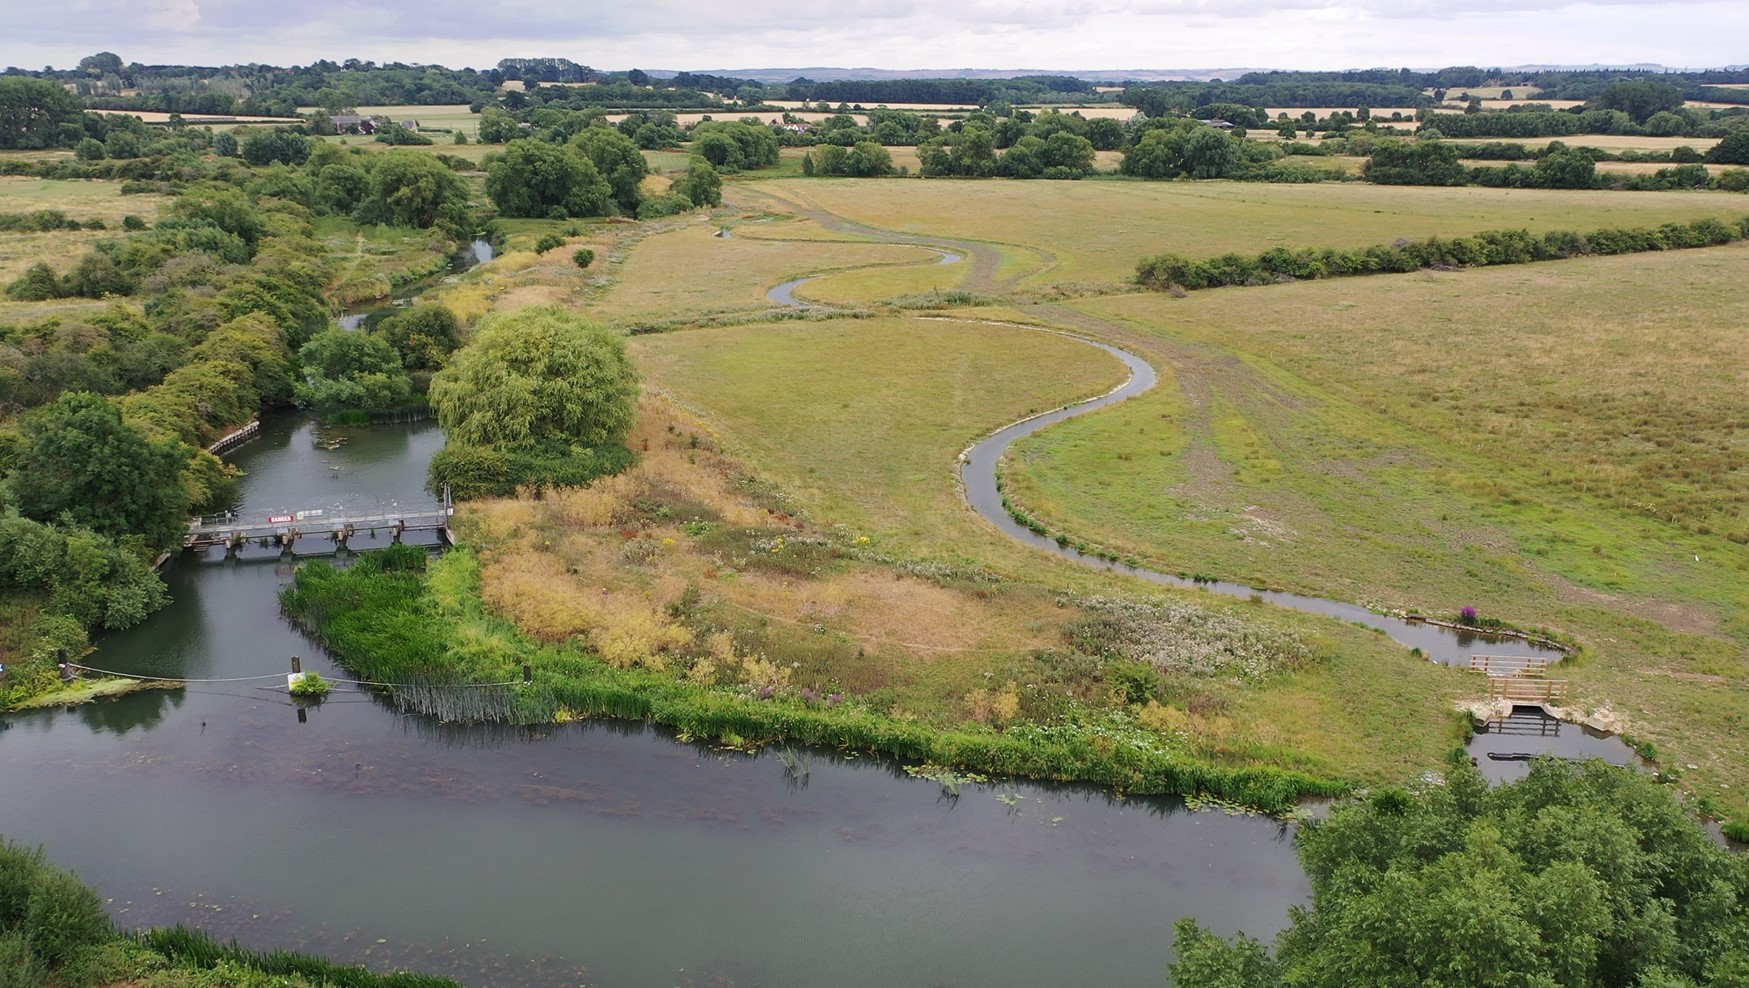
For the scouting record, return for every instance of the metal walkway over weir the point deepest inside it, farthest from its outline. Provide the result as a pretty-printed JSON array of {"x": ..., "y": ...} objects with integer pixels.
[{"x": 284, "y": 530}]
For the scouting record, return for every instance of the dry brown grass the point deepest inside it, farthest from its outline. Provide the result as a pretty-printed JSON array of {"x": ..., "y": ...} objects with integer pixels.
[{"x": 595, "y": 565}]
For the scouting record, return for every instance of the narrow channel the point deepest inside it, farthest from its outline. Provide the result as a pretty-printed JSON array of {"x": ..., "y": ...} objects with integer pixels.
[{"x": 980, "y": 465}]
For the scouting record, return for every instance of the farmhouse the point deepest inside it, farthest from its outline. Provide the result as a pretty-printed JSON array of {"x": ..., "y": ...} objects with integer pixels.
[{"x": 352, "y": 123}]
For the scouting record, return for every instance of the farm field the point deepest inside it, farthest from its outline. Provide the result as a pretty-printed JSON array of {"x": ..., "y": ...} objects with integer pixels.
[
  {"x": 1085, "y": 233},
  {"x": 1553, "y": 444}
]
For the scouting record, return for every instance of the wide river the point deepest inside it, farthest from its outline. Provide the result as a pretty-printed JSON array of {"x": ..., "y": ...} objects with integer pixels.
[{"x": 604, "y": 854}]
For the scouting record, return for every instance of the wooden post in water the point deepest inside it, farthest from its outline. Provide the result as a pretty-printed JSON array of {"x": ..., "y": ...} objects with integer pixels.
[{"x": 297, "y": 665}]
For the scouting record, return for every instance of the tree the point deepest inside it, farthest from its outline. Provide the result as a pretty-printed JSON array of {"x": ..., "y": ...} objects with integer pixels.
[
  {"x": 1158, "y": 154},
  {"x": 352, "y": 370},
  {"x": 339, "y": 189},
  {"x": 1579, "y": 875},
  {"x": 408, "y": 188},
  {"x": 225, "y": 145},
  {"x": 1638, "y": 98},
  {"x": 1732, "y": 150},
  {"x": 1069, "y": 152},
  {"x": 868, "y": 160},
  {"x": 535, "y": 179},
  {"x": 618, "y": 160},
  {"x": 283, "y": 146},
  {"x": 701, "y": 184},
  {"x": 219, "y": 206},
  {"x": 1569, "y": 168},
  {"x": 638, "y": 77},
  {"x": 719, "y": 150},
  {"x": 1105, "y": 133},
  {"x": 36, "y": 113},
  {"x": 498, "y": 127},
  {"x": 537, "y": 375},
  {"x": 1418, "y": 162},
  {"x": 76, "y": 462},
  {"x": 424, "y": 335}
]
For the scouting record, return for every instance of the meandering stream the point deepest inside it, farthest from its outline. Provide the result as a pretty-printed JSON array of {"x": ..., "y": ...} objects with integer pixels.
[{"x": 979, "y": 467}]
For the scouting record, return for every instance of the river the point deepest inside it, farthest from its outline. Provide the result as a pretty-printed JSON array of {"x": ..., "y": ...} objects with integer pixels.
[{"x": 600, "y": 852}]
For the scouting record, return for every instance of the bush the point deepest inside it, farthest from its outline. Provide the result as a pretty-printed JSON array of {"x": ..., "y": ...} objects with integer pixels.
[
  {"x": 64, "y": 917},
  {"x": 583, "y": 257},
  {"x": 132, "y": 222},
  {"x": 472, "y": 471},
  {"x": 661, "y": 207},
  {"x": 548, "y": 242}
]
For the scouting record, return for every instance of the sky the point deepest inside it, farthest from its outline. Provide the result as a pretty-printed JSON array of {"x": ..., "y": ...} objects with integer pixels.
[{"x": 704, "y": 35}]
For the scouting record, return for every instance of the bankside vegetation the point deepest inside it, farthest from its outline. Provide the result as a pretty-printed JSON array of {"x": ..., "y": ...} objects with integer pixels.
[
  {"x": 162, "y": 337},
  {"x": 1579, "y": 875},
  {"x": 54, "y": 933}
]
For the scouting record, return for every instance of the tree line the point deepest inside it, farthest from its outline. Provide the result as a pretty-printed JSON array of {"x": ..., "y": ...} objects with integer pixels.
[{"x": 1174, "y": 272}]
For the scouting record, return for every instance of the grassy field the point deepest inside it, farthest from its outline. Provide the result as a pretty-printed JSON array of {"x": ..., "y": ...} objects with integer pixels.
[
  {"x": 1094, "y": 232},
  {"x": 804, "y": 400},
  {"x": 729, "y": 274},
  {"x": 1557, "y": 445},
  {"x": 80, "y": 200},
  {"x": 931, "y": 642}
]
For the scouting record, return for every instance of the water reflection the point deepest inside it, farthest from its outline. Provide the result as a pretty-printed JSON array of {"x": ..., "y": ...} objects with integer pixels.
[{"x": 1505, "y": 747}]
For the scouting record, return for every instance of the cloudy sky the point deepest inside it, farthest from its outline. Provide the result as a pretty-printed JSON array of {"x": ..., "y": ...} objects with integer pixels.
[{"x": 899, "y": 34}]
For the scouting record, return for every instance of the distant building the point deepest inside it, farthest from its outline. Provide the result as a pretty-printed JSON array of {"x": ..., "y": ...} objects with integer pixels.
[
  {"x": 1220, "y": 124},
  {"x": 352, "y": 123}
]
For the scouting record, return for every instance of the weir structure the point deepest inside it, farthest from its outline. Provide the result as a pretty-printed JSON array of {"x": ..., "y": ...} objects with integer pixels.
[{"x": 284, "y": 530}]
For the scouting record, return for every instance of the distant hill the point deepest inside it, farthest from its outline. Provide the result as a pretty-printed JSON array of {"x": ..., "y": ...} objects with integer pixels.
[
  {"x": 830, "y": 74},
  {"x": 820, "y": 73}
]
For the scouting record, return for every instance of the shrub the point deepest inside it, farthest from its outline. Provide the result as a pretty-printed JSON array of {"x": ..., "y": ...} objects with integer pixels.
[
  {"x": 583, "y": 257},
  {"x": 548, "y": 242},
  {"x": 661, "y": 207},
  {"x": 132, "y": 222}
]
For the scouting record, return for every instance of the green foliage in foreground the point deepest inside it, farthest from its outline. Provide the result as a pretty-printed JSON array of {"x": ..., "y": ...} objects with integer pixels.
[
  {"x": 54, "y": 933},
  {"x": 1580, "y": 875},
  {"x": 392, "y": 618},
  {"x": 1483, "y": 249}
]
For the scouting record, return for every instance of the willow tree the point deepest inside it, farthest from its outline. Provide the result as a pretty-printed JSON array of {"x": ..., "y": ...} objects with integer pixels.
[{"x": 537, "y": 375}]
